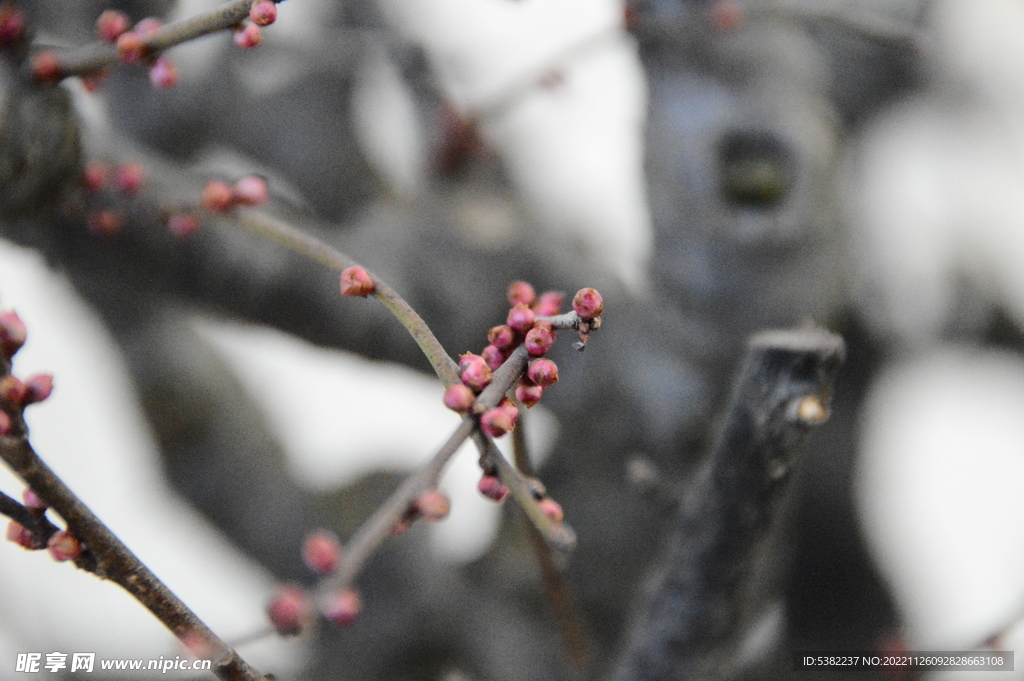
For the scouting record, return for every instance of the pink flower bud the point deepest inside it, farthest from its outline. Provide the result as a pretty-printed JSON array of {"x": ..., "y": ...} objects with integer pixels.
[
  {"x": 355, "y": 281},
  {"x": 38, "y": 388},
  {"x": 501, "y": 337},
  {"x": 548, "y": 304},
  {"x": 21, "y": 536},
  {"x": 539, "y": 339},
  {"x": 475, "y": 373},
  {"x": 529, "y": 395},
  {"x": 552, "y": 509},
  {"x": 111, "y": 24},
  {"x": 13, "y": 392},
  {"x": 520, "y": 318},
  {"x": 493, "y": 488},
  {"x": 321, "y": 552},
  {"x": 247, "y": 35},
  {"x": 130, "y": 178},
  {"x": 64, "y": 546},
  {"x": 493, "y": 356},
  {"x": 148, "y": 26},
  {"x": 216, "y": 197},
  {"x": 343, "y": 608},
  {"x": 12, "y": 25},
  {"x": 400, "y": 527},
  {"x": 103, "y": 223},
  {"x": 5, "y": 423},
  {"x": 46, "y": 67},
  {"x": 543, "y": 372},
  {"x": 496, "y": 422},
  {"x": 432, "y": 506},
  {"x": 263, "y": 13},
  {"x": 291, "y": 611},
  {"x": 12, "y": 333},
  {"x": 95, "y": 177},
  {"x": 130, "y": 47},
  {"x": 32, "y": 500},
  {"x": 459, "y": 398},
  {"x": 588, "y": 303},
  {"x": 520, "y": 292},
  {"x": 163, "y": 73},
  {"x": 182, "y": 224},
  {"x": 91, "y": 81},
  {"x": 251, "y": 190},
  {"x": 510, "y": 409}
]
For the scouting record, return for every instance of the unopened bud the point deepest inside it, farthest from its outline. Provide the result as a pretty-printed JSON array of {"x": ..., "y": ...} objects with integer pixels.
[
  {"x": 501, "y": 337},
  {"x": 38, "y": 388},
  {"x": 321, "y": 552},
  {"x": 64, "y": 546},
  {"x": 493, "y": 356},
  {"x": 539, "y": 339},
  {"x": 521, "y": 292},
  {"x": 510, "y": 409},
  {"x": 103, "y": 223},
  {"x": 543, "y": 372},
  {"x": 111, "y": 24},
  {"x": 520, "y": 318},
  {"x": 496, "y": 422},
  {"x": 32, "y": 500},
  {"x": 588, "y": 303},
  {"x": 459, "y": 398},
  {"x": 355, "y": 281},
  {"x": 163, "y": 73},
  {"x": 474, "y": 372},
  {"x": 493, "y": 488},
  {"x": 130, "y": 178},
  {"x": 529, "y": 394},
  {"x": 432, "y": 506},
  {"x": 247, "y": 35},
  {"x": 552, "y": 509},
  {"x": 12, "y": 25},
  {"x": 5, "y": 423},
  {"x": 548, "y": 304},
  {"x": 130, "y": 47},
  {"x": 263, "y": 13},
  {"x": 46, "y": 67},
  {"x": 21, "y": 536},
  {"x": 291, "y": 611},
  {"x": 12, "y": 333},
  {"x": 250, "y": 190},
  {"x": 216, "y": 196},
  {"x": 182, "y": 224},
  {"x": 343, "y": 607},
  {"x": 13, "y": 392}
]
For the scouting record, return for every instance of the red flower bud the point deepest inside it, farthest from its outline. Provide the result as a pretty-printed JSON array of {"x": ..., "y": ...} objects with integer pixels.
[
  {"x": 493, "y": 356},
  {"x": 46, "y": 67},
  {"x": 148, "y": 26},
  {"x": 552, "y": 509},
  {"x": 103, "y": 223},
  {"x": 130, "y": 47},
  {"x": 163, "y": 73},
  {"x": 251, "y": 190},
  {"x": 111, "y": 24},
  {"x": 263, "y": 13},
  {"x": 130, "y": 178},
  {"x": 182, "y": 224},
  {"x": 588, "y": 303},
  {"x": 38, "y": 388},
  {"x": 543, "y": 372},
  {"x": 21, "y": 536},
  {"x": 432, "y": 506},
  {"x": 95, "y": 176},
  {"x": 355, "y": 281},
  {"x": 343, "y": 608},
  {"x": 321, "y": 552},
  {"x": 510, "y": 409},
  {"x": 492, "y": 488},
  {"x": 501, "y": 337},
  {"x": 91, "y": 81},
  {"x": 13, "y": 392},
  {"x": 217, "y": 197},
  {"x": 475, "y": 373},
  {"x": 247, "y": 35},
  {"x": 12, "y": 25},
  {"x": 529, "y": 394},
  {"x": 291, "y": 610},
  {"x": 5, "y": 423},
  {"x": 459, "y": 398},
  {"x": 539, "y": 339},
  {"x": 12, "y": 333},
  {"x": 520, "y": 292},
  {"x": 520, "y": 318},
  {"x": 32, "y": 500},
  {"x": 496, "y": 422},
  {"x": 64, "y": 546},
  {"x": 548, "y": 304}
]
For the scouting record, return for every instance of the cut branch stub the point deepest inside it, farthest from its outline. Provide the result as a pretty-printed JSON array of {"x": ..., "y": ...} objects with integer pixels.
[{"x": 694, "y": 614}]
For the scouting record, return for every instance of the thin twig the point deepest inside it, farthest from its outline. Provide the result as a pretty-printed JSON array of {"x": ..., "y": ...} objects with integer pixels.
[
  {"x": 99, "y": 55},
  {"x": 39, "y": 525}
]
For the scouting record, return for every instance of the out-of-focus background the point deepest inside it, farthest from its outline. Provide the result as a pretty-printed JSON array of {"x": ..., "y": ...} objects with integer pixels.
[{"x": 721, "y": 165}]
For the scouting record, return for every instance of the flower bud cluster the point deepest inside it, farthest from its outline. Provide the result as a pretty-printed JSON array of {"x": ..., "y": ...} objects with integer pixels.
[{"x": 219, "y": 197}]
